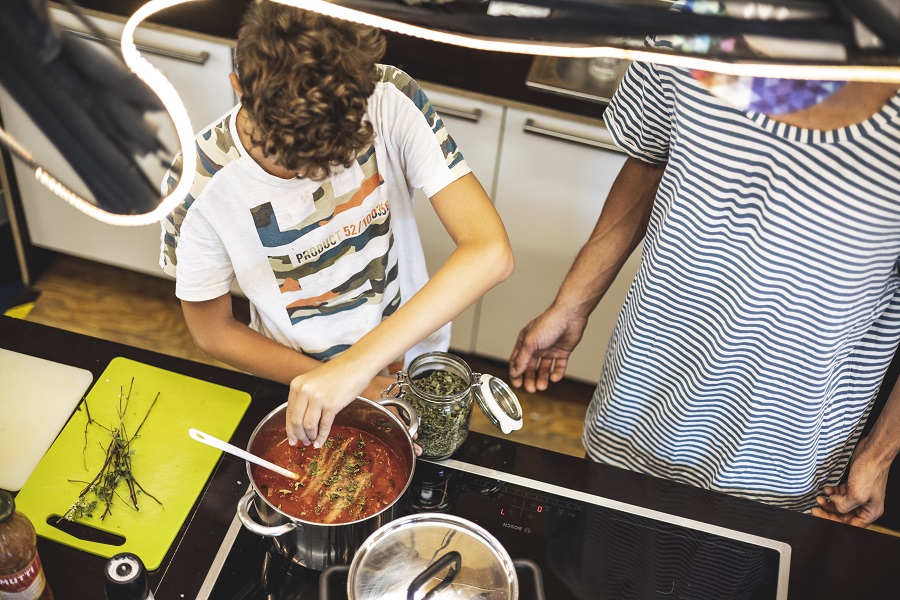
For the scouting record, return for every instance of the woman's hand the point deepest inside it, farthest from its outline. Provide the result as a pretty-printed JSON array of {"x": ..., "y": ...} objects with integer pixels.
[
  {"x": 542, "y": 349},
  {"x": 861, "y": 500}
]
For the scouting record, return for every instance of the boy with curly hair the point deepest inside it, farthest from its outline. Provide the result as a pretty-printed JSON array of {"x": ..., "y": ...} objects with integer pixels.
[{"x": 304, "y": 196}]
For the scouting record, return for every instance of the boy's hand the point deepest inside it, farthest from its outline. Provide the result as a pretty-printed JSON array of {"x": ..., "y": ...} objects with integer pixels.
[
  {"x": 317, "y": 396},
  {"x": 312, "y": 406}
]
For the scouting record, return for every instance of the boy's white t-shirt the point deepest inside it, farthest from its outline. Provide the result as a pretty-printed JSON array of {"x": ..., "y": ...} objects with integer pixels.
[{"x": 322, "y": 263}]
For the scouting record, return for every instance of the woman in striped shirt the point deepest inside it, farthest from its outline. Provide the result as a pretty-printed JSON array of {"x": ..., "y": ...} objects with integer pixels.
[{"x": 766, "y": 311}]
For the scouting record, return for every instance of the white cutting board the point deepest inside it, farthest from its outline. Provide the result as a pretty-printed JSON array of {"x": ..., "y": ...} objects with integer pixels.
[{"x": 37, "y": 398}]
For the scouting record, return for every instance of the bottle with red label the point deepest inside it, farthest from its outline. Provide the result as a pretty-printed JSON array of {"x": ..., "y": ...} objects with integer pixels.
[{"x": 21, "y": 573}]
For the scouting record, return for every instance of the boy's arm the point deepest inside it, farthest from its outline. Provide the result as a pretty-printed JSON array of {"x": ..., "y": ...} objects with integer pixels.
[
  {"x": 216, "y": 332},
  {"x": 481, "y": 260}
]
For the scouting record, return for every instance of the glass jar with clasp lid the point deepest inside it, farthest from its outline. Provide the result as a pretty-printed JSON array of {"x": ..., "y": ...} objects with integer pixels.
[{"x": 442, "y": 387}]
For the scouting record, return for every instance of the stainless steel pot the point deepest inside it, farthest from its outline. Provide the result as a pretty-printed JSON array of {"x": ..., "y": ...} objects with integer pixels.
[
  {"x": 435, "y": 556},
  {"x": 317, "y": 545}
]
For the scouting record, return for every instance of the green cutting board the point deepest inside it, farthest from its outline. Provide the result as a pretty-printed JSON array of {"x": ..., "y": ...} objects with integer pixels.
[{"x": 167, "y": 463}]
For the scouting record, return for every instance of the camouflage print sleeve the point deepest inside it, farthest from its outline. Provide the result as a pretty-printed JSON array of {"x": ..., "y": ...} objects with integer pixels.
[{"x": 215, "y": 148}]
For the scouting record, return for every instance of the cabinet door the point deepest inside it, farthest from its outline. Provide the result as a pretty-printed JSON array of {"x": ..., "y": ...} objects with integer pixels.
[
  {"x": 475, "y": 125},
  {"x": 199, "y": 71},
  {"x": 553, "y": 179}
]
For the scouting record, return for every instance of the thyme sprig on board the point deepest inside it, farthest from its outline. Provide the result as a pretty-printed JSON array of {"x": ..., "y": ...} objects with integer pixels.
[{"x": 116, "y": 469}]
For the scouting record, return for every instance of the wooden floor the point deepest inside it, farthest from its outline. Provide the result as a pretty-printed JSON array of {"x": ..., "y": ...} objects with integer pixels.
[{"x": 141, "y": 310}]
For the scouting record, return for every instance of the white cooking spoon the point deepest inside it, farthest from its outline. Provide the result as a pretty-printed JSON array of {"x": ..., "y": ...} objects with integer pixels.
[{"x": 226, "y": 447}]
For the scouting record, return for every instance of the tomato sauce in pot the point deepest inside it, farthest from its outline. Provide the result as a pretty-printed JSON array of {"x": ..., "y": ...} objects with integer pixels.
[{"x": 352, "y": 476}]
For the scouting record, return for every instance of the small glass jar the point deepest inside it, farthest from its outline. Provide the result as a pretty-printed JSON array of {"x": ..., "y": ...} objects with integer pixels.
[
  {"x": 21, "y": 573},
  {"x": 444, "y": 418}
]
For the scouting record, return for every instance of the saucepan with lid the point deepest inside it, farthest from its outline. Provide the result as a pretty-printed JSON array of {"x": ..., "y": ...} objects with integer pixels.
[
  {"x": 316, "y": 545},
  {"x": 434, "y": 556}
]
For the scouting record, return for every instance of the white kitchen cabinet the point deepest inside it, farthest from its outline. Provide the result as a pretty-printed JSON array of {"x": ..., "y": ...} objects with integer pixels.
[
  {"x": 553, "y": 178},
  {"x": 198, "y": 68},
  {"x": 476, "y": 126}
]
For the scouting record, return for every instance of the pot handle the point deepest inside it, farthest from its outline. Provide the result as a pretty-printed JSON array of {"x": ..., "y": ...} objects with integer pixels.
[
  {"x": 451, "y": 558},
  {"x": 404, "y": 406},
  {"x": 530, "y": 565},
  {"x": 243, "y": 512},
  {"x": 330, "y": 573}
]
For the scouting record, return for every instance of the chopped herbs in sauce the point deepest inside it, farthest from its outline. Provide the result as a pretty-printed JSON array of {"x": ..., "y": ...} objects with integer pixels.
[{"x": 340, "y": 483}]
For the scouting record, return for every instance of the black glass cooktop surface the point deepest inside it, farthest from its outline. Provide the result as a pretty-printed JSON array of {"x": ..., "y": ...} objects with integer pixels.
[{"x": 586, "y": 547}]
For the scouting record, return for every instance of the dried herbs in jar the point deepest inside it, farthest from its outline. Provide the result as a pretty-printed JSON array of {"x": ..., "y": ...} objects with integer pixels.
[
  {"x": 441, "y": 383},
  {"x": 439, "y": 387}
]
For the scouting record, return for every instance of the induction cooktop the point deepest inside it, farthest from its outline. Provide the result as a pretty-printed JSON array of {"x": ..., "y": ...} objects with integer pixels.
[{"x": 586, "y": 546}]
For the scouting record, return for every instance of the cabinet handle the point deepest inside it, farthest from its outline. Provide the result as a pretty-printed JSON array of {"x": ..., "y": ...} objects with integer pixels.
[
  {"x": 197, "y": 59},
  {"x": 474, "y": 115},
  {"x": 531, "y": 127}
]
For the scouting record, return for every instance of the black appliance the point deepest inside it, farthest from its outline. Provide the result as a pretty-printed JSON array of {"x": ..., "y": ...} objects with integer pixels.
[{"x": 587, "y": 547}]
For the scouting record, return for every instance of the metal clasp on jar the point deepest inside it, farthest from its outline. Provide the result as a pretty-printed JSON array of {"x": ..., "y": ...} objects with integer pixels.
[{"x": 399, "y": 385}]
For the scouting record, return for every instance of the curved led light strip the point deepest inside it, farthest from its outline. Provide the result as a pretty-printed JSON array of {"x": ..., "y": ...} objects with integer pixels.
[
  {"x": 177, "y": 113},
  {"x": 820, "y": 72},
  {"x": 170, "y": 99}
]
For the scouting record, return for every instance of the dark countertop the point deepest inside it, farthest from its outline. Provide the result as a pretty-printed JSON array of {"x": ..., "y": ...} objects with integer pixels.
[
  {"x": 494, "y": 74},
  {"x": 828, "y": 559}
]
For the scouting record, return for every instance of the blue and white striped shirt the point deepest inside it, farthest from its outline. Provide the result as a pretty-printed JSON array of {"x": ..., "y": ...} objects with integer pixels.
[{"x": 767, "y": 307}]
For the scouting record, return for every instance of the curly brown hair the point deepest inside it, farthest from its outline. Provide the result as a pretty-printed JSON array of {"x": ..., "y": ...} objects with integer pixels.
[{"x": 305, "y": 81}]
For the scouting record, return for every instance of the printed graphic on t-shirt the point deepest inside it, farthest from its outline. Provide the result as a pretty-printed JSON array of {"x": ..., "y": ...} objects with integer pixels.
[{"x": 338, "y": 258}]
